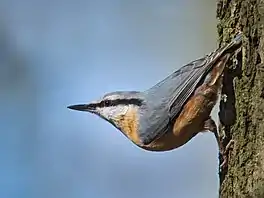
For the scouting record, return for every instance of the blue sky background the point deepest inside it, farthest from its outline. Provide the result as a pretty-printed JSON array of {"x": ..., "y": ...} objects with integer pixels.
[{"x": 57, "y": 53}]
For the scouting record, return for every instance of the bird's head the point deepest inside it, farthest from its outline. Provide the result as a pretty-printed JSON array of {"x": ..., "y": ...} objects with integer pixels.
[{"x": 113, "y": 106}]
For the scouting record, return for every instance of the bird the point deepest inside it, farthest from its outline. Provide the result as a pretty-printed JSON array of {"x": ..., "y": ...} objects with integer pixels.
[{"x": 174, "y": 110}]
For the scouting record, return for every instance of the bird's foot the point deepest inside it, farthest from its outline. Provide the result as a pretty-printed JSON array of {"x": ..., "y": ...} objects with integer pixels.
[{"x": 224, "y": 151}]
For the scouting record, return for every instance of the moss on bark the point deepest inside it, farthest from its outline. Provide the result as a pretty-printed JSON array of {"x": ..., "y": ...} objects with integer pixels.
[{"x": 242, "y": 116}]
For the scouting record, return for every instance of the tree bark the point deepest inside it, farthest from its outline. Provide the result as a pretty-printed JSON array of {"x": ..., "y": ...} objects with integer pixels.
[{"x": 242, "y": 114}]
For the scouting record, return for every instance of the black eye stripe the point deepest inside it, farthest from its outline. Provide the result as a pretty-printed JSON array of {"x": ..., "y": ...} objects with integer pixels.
[{"x": 108, "y": 103}]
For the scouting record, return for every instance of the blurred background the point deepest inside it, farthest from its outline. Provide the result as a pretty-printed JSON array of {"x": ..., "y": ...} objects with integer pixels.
[{"x": 57, "y": 53}]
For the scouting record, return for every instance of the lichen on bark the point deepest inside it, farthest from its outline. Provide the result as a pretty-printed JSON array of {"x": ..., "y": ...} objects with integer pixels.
[{"x": 242, "y": 116}]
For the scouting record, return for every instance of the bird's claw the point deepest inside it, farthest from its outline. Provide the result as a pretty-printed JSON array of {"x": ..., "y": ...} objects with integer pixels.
[{"x": 224, "y": 154}]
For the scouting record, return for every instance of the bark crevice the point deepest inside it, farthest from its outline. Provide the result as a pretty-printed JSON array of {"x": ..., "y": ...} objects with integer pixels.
[{"x": 242, "y": 115}]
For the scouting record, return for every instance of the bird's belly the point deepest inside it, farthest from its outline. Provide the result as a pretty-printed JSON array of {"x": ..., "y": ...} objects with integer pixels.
[
  {"x": 190, "y": 121},
  {"x": 169, "y": 141}
]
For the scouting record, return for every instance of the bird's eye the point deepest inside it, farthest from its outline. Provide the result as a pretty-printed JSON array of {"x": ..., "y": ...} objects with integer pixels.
[{"x": 107, "y": 102}]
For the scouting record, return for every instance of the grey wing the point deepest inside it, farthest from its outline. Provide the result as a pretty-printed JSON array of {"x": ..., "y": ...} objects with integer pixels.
[
  {"x": 166, "y": 99},
  {"x": 160, "y": 107},
  {"x": 188, "y": 85},
  {"x": 200, "y": 69}
]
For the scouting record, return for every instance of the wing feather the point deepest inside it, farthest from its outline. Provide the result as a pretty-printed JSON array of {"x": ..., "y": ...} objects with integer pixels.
[
  {"x": 165, "y": 100},
  {"x": 160, "y": 99}
]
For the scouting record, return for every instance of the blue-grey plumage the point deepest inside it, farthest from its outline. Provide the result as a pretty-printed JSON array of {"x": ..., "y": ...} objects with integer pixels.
[
  {"x": 144, "y": 117},
  {"x": 165, "y": 100}
]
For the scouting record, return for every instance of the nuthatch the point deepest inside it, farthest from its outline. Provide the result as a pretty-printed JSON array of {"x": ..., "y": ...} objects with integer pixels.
[{"x": 172, "y": 112}]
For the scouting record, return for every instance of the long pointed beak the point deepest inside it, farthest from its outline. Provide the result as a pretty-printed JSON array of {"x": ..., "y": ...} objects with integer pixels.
[{"x": 80, "y": 107}]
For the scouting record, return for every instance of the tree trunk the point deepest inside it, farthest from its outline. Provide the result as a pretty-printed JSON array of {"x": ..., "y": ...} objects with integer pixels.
[{"x": 242, "y": 114}]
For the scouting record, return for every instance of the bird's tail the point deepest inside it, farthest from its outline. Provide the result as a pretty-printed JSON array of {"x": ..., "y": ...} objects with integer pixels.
[
  {"x": 238, "y": 38},
  {"x": 226, "y": 52},
  {"x": 234, "y": 45}
]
